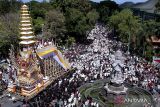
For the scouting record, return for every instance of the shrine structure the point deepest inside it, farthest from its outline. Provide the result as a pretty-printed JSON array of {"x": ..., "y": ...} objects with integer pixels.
[{"x": 36, "y": 68}]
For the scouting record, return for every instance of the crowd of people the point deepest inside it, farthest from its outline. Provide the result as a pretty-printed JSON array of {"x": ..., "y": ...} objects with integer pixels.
[
  {"x": 7, "y": 72},
  {"x": 93, "y": 62}
]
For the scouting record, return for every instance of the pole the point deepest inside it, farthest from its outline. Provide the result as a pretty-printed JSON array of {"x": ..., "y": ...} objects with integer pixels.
[
  {"x": 42, "y": 30},
  {"x": 45, "y": 67},
  {"x": 143, "y": 48},
  {"x": 129, "y": 34},
  {"x": 129, "y": 39}
]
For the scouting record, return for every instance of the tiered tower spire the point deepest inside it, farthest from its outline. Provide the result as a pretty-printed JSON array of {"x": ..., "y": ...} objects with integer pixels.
[
  {"x": 26, "y": 33},
  {"x": 36, "y": 69}
]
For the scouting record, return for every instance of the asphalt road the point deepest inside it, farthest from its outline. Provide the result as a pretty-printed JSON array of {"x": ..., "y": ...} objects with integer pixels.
[{"x": 7, "y": 102}]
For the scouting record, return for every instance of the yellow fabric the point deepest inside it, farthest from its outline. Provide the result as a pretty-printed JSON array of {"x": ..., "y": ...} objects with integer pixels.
[
  {"x": 63, "y": 61},
  {"x": 56, "y": 52},
  {"x": 45, "y": 52}
]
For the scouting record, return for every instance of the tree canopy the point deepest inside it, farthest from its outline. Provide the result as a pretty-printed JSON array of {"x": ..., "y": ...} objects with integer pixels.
[
  {"x": 79, "y": 14},
  {"x": 54, "y": 27},
  {"x": 8, "y": 31},
  {"x": 158, "y": 6},
  {"x": 7, "y": 6},
  {"x": 106, "y": 8},
  {"x": 126, "y": 24}
]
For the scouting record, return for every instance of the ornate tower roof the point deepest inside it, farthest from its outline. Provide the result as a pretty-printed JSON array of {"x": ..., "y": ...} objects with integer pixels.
[{"x": 26, "y": 32}]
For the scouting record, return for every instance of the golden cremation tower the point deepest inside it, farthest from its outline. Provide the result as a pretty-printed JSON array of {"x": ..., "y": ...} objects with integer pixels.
[
  {"x": 27, "y": 35},
  {"x": 36, "y": 67},
  {"x": 29, "y": 77}
]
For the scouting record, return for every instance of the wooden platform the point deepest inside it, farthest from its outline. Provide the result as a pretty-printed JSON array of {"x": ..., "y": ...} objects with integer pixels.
[
  {"x": 30, "y": 94},
  {"x": 35, "y": 91}
]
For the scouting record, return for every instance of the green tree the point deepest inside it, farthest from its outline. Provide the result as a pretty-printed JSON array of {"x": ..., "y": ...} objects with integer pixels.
[
  {"x": 7, "y": 6},
  {"x": 106, "y": 8},
  {"x": 128, "y": 26},
  {"x": 80, "y": 16},
  {"x": 70, "y": 41},
  {"x": 92, "y": 17},
  {"x": 158, "y": 6},
  {"x": 54, "y": 27},
  {"x": 38, "y": 23},
  {"x": 76, "y": 22},
  {"x": 38, "y": 11},
  {"x": 149, "y": 28},
  {"x": 8, "y": 31},
  {"x": 64, "y": 5}
]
